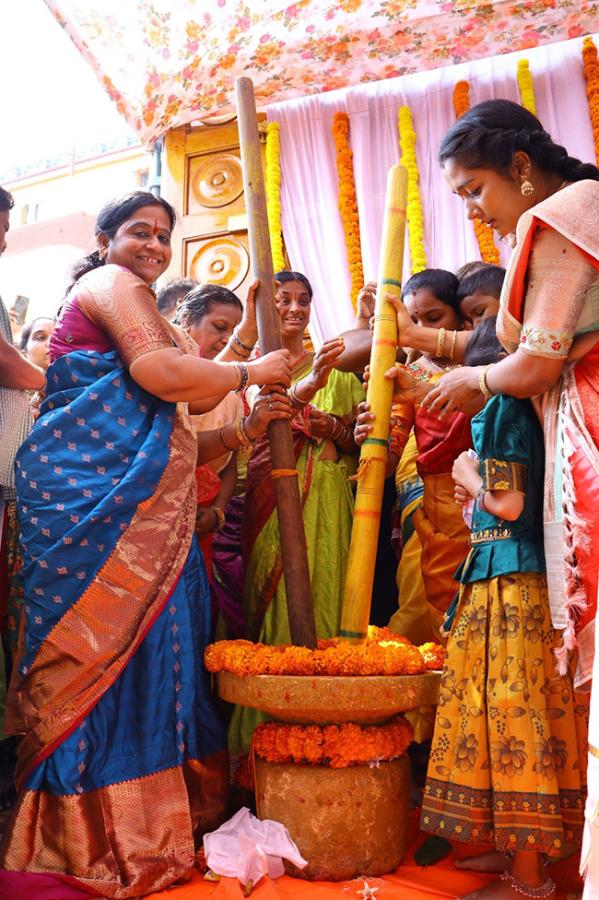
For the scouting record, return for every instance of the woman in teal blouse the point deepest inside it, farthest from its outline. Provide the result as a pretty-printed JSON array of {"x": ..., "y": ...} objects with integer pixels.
[{"x": 505, "y": 763}]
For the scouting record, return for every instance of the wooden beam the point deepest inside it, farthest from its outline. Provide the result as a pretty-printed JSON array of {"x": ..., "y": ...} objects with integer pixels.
[{"x": 291, "y": 524}]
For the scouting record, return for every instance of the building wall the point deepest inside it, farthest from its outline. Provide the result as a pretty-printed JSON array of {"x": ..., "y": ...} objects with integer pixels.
[{"x": 52, "y": 222}]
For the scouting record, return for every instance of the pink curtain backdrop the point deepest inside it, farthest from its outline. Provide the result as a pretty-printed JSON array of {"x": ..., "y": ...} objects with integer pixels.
[{"x": 311, "y": 224}]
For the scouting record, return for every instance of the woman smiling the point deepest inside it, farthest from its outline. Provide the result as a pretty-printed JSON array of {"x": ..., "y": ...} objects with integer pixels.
[{"x": 117, "y": 609}]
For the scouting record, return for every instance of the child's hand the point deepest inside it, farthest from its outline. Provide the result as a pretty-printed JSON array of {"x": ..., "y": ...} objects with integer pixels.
[
  {"x": 461, "y": 495},
  {"x": 363, "y": 425},
  {"x": 466, "y": 474}
]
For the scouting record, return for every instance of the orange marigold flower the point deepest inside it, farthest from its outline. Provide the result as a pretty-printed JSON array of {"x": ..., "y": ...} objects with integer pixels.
[
  {"x": 484, "y": 236},
  {"x": 348, "y": 203},
  {"x": 383, "y": 653},
  {"x": 337, "y": 746}
]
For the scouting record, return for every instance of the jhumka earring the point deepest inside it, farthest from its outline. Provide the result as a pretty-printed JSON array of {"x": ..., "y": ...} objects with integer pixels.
[{"x": 527, "y": 188}]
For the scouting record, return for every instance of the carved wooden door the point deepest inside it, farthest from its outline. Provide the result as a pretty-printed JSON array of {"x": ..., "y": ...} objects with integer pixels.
[{"x": 202, "y": 179}]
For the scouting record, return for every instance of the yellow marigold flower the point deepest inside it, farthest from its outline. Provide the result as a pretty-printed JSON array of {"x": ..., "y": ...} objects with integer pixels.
[
  {"x": 407, "y": 142},
  {"x": 590, "y": 67}
]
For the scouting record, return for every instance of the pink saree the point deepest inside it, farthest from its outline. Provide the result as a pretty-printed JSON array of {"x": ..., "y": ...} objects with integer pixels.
[{"x": 550, "y": 297}]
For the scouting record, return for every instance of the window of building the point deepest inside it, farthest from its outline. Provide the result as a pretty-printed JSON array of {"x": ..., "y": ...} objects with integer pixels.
[{"x": 142, "y": 178}]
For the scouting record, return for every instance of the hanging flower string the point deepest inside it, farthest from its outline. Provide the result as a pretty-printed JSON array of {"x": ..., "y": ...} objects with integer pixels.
[
  {"x": 407, "y": 143},
  {"x": 526, "y": 87},
  {"x": 590, "y": 66},
  {"x": 336, "y": 746},
  {"x": 484, "y": 236},
  {"x": 273, "y": 195},
  {"x": 348, "y": 203}
]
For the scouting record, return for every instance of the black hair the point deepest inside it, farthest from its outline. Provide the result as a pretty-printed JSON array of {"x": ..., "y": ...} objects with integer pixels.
[
  {"x": 489, "y": 134},
  {"x": 488, "y": 279},
  {"x": 440, "y": 282},
  {"x": 6, "y": 200},
  {"x": 483, "y": 347},
  {"x": 167, "y": 296},
  {"x": 287, "y": 275},
  {"x": 199, "y": 301},
  {"x": 109, "y": 220},
  {"x": 468, "y": 268},
  {"x": 28, "y": 328}
]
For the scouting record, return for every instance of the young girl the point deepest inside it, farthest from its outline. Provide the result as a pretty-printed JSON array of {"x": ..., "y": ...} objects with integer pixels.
[
  {"x": 426, "y": 447},
  {"x": 505, "y": 766}
]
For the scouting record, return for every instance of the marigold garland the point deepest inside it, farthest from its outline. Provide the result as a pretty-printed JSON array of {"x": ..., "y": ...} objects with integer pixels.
[
  {"x": 383, "y": 653},
  {"x": 461, "y": 98},
  {"x": 407, "y": 143},
  {"x": 273, "y": 195},
  {"x": 348, "y": 203},
  {"x": 590, "y": 66},
  {"x": 335, "y": 746},
  {"x": 526, "y": 87},
  {"x": 484, "y": 236}
]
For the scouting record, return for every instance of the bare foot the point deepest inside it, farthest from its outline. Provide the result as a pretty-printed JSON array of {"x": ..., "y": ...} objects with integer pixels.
[
  {"x": 499, "y": 890},
  {"x": 490, "y": 861}
]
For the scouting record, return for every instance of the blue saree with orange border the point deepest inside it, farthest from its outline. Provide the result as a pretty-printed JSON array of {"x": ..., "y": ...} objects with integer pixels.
[{"x": 123, "y": 758}]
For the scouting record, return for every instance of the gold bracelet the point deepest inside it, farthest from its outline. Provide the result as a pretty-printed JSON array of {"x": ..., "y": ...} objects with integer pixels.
[
  {"x": 235, "y": 337},
  {"x": 295, "y": 400},
  {"x": 482, "y": 383},
  {"x": 453, "y": 343},
  {"x": 220, "y": 516},
  {"x": 243, "y": 377},
  {"x": 241, "y": 434},
  {"x": 242, "y": 354},
  {"x": 440, "y": 343}
]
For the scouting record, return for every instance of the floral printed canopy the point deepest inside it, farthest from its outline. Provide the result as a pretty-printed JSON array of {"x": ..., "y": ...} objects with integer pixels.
[{"x": 167, "y": 62}]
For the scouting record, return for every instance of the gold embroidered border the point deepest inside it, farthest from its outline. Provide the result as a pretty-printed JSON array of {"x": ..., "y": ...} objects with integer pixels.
[
  {"x": 490, "y": 534},
  {"x": 499, "y": 475},
  {"x": 123, "y": 840},
  {"x": 86, "y": 651}
]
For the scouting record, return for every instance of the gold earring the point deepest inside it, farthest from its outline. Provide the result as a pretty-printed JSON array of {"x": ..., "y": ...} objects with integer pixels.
[
  {"x": 102, "y": 252},
  {"x": 527, "y": 188}
]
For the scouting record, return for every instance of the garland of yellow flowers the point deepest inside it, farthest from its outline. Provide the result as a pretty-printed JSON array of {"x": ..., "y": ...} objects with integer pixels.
[
  {"x": 348, "y": 203},
  {"x": 526, "y": 87},
  {"x": 407, "y": 143},
  {"x": 484, "y": 236},
  {"x": 273, "y": 195},
  {"x": 335, "y": 746},
  {"x": 590, "y": 66}
]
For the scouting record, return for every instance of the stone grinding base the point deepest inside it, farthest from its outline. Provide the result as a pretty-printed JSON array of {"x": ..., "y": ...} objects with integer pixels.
[{"x": 345, "y": 822}]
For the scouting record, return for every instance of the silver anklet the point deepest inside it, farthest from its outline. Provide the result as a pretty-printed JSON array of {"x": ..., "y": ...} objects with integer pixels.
[{"x": 543, "y": 890}]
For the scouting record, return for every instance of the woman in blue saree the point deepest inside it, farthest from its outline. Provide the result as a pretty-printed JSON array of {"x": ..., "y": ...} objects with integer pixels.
[{"x": 123, "y": 758}]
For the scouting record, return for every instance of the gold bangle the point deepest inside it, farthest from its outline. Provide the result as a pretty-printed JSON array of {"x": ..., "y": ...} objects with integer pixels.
[
  {"x": 241, "y": 434},
  {"x": 220, "y": 516},
  {"x": 482, "y": 383},
  {"x": 453, "y": 343},
  {"x": 235, "y": 337},
  {"x": 440, "y": 343},
  {"x": 295, "y": 400},
  {"x": 242, "y": 354}
]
